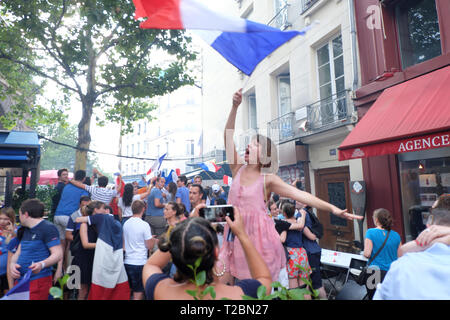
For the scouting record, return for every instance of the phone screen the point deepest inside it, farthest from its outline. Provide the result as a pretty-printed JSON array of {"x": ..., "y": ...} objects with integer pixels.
[{"x": 217, "y": 213}]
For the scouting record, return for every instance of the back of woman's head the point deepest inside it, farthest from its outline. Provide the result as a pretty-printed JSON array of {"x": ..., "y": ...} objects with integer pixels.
[
  {"x": 89, "y": 209},
  {"x": 128, "y": 193},
  {"x": 172, "y": 188},
  {"x": 384, "y": 218},
  {"x": 288, "y": 210},
  {"x": 191, "y": 239}
]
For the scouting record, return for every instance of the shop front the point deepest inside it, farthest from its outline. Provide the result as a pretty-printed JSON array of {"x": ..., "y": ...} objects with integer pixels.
[{"x": 404, "y": 141}]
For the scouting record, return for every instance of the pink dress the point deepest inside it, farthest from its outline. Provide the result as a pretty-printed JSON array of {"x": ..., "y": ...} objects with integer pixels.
[{"x": 259, "y": 227}]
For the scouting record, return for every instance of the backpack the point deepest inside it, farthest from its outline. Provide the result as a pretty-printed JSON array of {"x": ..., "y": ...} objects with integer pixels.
[{"x": 316, "y": 225}]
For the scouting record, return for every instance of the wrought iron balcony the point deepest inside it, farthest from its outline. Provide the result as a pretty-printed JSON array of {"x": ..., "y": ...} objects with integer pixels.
[
  {"x": 330, "y": 112},
  {"x": 306, "y": 4},
  {"x": 322, "y": 115},
  {"x": 280, "y": 20}
]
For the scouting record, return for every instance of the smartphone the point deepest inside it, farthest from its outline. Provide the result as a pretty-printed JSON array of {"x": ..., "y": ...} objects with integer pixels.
[{"x": 217, "y": 213}]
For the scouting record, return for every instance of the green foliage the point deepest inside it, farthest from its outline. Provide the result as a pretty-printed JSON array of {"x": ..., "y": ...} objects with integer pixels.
[
  {"x": 199, "y": 280},
  {"x": 43, "y": 193},
  {"x": 57, "y": 292}
]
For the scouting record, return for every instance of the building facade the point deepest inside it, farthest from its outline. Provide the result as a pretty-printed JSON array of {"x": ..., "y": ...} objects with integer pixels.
[
  {"x": 175, "y": 131},
  {"x": 404, "y": 48},
  {"x": 300, "y": 96}
]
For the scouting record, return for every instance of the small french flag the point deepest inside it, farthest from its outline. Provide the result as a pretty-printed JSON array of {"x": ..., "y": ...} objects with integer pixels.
[
  {"x": 155, "y": 166},
  {"x": 210, "y": 166},
  {"x": 227, "y": 180}
]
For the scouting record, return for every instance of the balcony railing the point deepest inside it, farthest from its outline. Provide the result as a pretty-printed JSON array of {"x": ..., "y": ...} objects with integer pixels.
[
  {"x": 330, "y": 112},
  {"x": 282, "y": 128},
  {"x": 306, "y": 4},
  {"x": 325, "y": 114},
  {"x": 280, "y": 20}
]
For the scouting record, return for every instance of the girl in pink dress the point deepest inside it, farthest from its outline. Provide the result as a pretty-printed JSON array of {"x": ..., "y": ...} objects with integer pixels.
[{"x": 253, "y": 182}]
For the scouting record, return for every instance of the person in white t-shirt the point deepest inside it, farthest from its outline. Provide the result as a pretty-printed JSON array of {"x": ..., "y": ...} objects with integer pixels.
[
  {"x": 138, "y": 240},
  {"x": 128, "y": 197}
]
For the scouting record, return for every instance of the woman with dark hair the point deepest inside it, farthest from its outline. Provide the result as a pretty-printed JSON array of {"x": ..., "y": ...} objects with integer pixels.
[
  {"x": 83, "y": 255},
  {"x": 254, "y": 180},
  {"x": 375, "y": 238},
  {"x": 190, "y": 240},
  {"x": 129, "y": 195},
  {"x": 172, "y": 188},
  {"x": 173, "y": 213},
  {"x": 298, "y": 267}
]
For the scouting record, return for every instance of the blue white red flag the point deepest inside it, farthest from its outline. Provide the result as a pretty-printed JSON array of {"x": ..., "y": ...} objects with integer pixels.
[
  {"x": 242, "y": 42},
  {"x": 109, "y": 278},
  {"x": 171, "y": 177},
  {"x": 155, "y": 166},
  {"x": 227, "y": 180},
  {"x": 21, "y": 291},
  {"x": 210, "y": 166}
]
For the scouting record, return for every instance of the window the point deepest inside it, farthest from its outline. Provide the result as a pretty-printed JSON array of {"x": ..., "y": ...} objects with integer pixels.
[
  {"x": 138, "y": 148},
  {"x": 252, "y": 124},
  {"x": 131, "y": 168},
  {"x": 418, "y": 31},
  {"x": 137, "y": 167},
  {"x": 139, "y": 129},
  {"x": 281, "y": 14},
  {"x": 132, "y": 150},
  {"x": 424, "y": 176},
  {"x": 126, "y": 169},
  {"x": 330, "y": 64},
  {"x": 284, "y": 95},
  {"x": 190, "y": 147},
  {"x": 128, "y": 151}
]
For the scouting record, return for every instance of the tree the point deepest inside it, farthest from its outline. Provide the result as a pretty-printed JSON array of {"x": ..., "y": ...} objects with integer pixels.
[{"x": 94, "y": 50}]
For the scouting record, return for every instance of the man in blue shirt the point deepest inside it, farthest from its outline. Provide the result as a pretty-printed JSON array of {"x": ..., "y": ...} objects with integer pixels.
[
  {"x": 69, "y": 203},
  {"x": 422, "y": 275},
  {"x": 182, "y": 195},
  {"x": 38, "y": 250},
  {"x": 154, "y": 214}
]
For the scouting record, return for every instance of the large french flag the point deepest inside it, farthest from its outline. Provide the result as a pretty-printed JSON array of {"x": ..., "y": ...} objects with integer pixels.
[
  {"x": 109, "y": 278},
  {"x": 21, "y": 291},
  {"x": 242, "y": 42}
]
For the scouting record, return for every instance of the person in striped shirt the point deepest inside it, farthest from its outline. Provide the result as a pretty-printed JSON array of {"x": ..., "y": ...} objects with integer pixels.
[{"x": 100, "y": 193}]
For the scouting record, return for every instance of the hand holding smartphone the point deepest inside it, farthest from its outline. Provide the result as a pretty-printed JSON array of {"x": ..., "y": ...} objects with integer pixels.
[{"x": 217, "y": 213}]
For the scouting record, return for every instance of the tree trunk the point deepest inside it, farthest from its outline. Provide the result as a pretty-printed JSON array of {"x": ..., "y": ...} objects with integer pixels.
[
  {"x": 84, "y": 136},
  {"x": 84, "y": 127}
]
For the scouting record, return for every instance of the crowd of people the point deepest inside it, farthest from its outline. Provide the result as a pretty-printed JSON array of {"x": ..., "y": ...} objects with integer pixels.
[
  {"x": 152, "y": 242},
  {"x": 50, "y": 248}
]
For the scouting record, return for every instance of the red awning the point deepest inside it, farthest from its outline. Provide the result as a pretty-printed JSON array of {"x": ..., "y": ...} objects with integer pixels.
[{"x": 411, "y": 116}]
